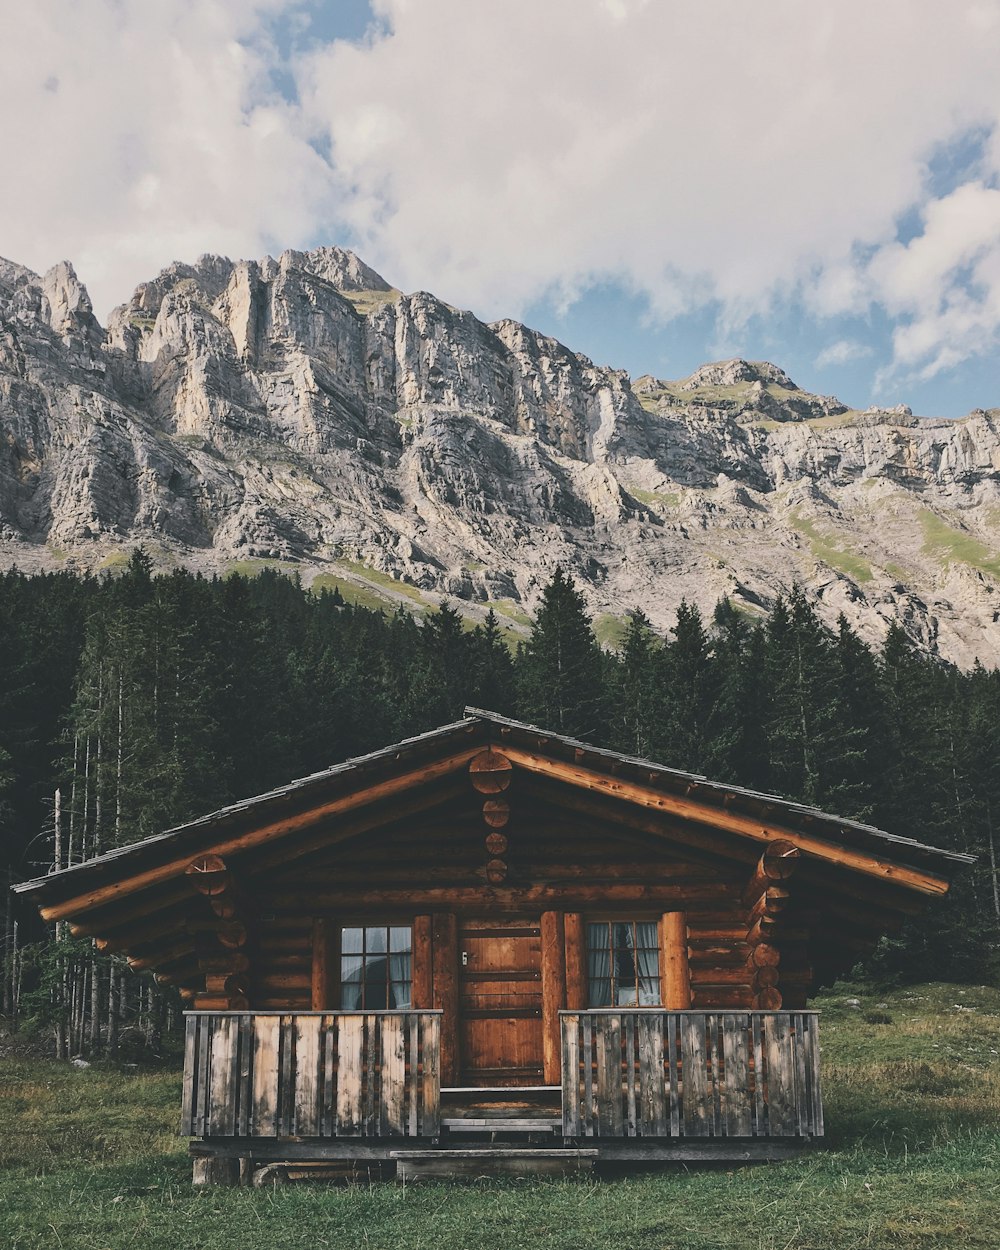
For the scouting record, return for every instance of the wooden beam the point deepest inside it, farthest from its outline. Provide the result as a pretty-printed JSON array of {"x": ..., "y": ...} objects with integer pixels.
[
  {"x": 171, "y": 926},
  {"x": 387, "y": 813},
  {"x": 576, "y": 961},
  {"x": 727, "y": 820},
  {"x": 423, "y": 963},
  {"x": 207, "y": 874},
  {"x": 106, "y": 921},
  {"x": 675, "y": 973},
  {"x": 513, "y": 898},
  {"x": 261, "y": 836},
  {"x": 163, "y": 955},
  {"x": 392, "y": 870},
  {"x": 321, "y": 969},
  {"x": 553, "y": 993},
  {"x": 708, "y": 847},
  {"x": 778, "y": 862},
  {"x": 445, "y": 930}
]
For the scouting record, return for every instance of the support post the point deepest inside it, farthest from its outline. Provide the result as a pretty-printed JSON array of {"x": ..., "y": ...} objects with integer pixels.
[
  {"x": 216, "y": 1170},
  {"x": 576, "y": 961},
  {"x": 553, "y": 994},
  {"x": 675, "y": 971},
  {"x": 322, "y": 935},
  {"x": 445, "y": 931},
  {"x": 423, "y": 964}
]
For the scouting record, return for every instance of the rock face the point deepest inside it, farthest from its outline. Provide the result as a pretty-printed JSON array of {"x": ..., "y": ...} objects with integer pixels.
[{"x": 302, "y": 411}]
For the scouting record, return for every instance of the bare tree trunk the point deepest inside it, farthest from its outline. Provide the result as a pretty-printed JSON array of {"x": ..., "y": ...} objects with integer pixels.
[
  {"x": 993, "y": 861},
  {"x": 18, "y": 971},
  {"x": 72, "y": 800},
  {"x": 118, "y": 771},
  {"x": 86, "y": 803},
  {"x": 15, "y": 975},
  {"x": 59, "y": 990},
  {"x": 8, "y": 965},
  {"x": 113, "y": 1008}
]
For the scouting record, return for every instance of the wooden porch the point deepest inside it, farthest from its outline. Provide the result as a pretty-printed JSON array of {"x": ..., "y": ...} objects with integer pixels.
[{"x": 637, "y": 1084}]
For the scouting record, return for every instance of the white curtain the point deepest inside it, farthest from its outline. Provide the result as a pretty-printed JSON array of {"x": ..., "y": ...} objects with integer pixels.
[
  {"x": 647, "y": 965},
  {"x": 599, "y": 965}
]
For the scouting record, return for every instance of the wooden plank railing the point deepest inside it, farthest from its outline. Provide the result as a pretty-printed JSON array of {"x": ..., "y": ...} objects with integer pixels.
[
  {"x": 653, "y": 1073},
  {"x": 312, "y": 1074}
]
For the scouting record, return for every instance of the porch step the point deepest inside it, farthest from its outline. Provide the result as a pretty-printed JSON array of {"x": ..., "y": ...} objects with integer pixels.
[
  {"x": 472, "y": 1164},
  {"x": 503, "y": 1124}
]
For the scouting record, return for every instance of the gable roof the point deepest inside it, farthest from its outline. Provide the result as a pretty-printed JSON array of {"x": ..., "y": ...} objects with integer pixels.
[{"x": 359, "y": 793}]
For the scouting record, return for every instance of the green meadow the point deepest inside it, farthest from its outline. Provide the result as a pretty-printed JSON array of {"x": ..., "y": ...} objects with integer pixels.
[{"x": 90, "y": 1160}]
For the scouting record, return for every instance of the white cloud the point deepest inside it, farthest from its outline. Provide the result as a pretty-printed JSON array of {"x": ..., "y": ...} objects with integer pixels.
[
  {"x": 733, "y": 154},
  {"x": 136, "y": 133},
  {"x": 842, "y": 352},
  {"x": 730, "y": 152},
  {"x": 944, "y": 284}
]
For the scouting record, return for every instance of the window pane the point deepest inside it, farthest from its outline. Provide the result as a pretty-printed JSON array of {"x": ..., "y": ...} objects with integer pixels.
[
  {"x": 351, "y": 988},
  {"x": 597, "y": 936},
  {"x": 623, "y": 961},
  {"x": 399, "y": 968},
  {"x": 350, "y": 968},
  {"x": 401, "y": 996},
  {"x": 376, "y": 989},
  {"x": 372, "y": 979}
]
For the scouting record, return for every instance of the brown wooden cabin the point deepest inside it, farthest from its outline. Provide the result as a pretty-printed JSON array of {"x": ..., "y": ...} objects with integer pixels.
[{"x": 494, "y": 940}]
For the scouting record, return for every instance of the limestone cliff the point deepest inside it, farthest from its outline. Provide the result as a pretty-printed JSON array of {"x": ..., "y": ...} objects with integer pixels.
[{"x": 302, "y": 411}]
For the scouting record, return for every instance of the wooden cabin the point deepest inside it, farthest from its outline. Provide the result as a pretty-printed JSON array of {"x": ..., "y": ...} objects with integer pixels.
[{"x": 494, "y": 943}]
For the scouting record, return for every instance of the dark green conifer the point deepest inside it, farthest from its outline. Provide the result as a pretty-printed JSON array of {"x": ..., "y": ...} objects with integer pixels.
[{"x": 560, "y": 667}]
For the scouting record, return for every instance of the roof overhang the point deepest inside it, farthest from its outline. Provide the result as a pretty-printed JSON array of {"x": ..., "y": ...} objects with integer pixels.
[{"x": 111, "y": 891}]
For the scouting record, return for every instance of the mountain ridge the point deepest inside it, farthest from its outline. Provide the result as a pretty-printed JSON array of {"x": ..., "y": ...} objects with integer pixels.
[{"x": 302, "y": 411}]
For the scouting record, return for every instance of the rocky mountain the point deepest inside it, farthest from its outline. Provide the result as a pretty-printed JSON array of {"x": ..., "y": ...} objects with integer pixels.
[{"x": 302, "y": 412}]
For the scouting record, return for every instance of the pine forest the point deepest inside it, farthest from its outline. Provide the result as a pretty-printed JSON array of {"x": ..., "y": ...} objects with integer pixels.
[{"x": 130, "y": 704}]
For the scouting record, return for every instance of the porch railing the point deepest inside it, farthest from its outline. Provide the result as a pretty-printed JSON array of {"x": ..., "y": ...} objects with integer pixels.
[
  {"x": 312, "y": 1074},
  {"x": 653, "y": 1073}
]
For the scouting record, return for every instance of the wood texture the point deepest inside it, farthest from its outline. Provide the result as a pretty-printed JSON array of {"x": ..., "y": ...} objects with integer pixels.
[
  {"x": 312, "y": 1075},
  {"x": 423, "y": 963},
  {"x": 322, "y": 972},
  {"x": 262, "y": 834},
  {"x": 675, "y": 971},
  {"x": 726, "y": 820},
  {"x": 445, "y": 991},
  {"x": 553, "y": 992},
  {"x": 500, "y": 1001},
  {"x": 490, "y": 772},
  {"x": 576, "y": 961},
  {"x": 690, "y": 1074}
]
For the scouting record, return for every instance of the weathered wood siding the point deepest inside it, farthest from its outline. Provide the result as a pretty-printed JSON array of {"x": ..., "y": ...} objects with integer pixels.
[
  {"x": 312, "y": 1074},
  {"x": 655, "y": 1073}
]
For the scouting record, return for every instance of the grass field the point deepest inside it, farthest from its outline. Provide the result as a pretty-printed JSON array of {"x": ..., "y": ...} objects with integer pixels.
[{"x": 89, "y": 1160}]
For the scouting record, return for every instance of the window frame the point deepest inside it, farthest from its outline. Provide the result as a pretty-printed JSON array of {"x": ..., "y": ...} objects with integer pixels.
[
  {"x": 634, "y": 919},
  {"x": 337, "y": 953}
]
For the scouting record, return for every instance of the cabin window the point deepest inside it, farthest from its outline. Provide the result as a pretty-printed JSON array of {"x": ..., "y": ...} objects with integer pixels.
[
  {"x": 623, "y": 963},
  {"x": 375, "y": 967}
]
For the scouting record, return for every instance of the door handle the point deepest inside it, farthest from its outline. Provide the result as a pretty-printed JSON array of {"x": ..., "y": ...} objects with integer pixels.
[{"x": 465, "y": 959}]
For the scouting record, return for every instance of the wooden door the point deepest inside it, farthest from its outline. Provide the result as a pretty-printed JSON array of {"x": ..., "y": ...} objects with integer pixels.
[{"x": 500, "y": 1002}]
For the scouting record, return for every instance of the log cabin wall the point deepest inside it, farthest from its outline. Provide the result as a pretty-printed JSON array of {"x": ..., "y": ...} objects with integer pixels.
[{"x": 564, "y": 872}]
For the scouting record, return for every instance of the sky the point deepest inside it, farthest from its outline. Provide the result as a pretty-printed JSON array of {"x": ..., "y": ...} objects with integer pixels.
[{"x": 657, "y": 183}]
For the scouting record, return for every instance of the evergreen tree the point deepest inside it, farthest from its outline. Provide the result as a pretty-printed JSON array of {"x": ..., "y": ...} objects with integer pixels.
[
  {"x": 738, "y": 748},
  {"x": 491, "y": 669},
  {"x": 687, "y": 679},
  {"x": 814, "y": 749},
  {"x": 560, "y": 667},
  {"x": 636, "y": 700}
]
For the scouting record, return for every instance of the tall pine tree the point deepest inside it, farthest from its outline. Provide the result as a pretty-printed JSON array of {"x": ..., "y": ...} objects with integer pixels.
[{"x": 560, "y": 668}]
